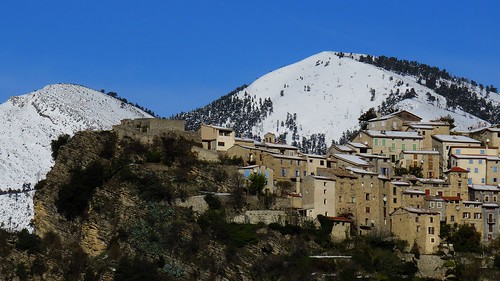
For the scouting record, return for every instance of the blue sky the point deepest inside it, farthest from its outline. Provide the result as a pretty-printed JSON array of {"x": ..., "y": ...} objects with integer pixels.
[{"x": 173, "y": 56}]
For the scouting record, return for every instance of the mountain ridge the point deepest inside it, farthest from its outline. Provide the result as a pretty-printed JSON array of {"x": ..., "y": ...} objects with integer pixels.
[
  {"x": 319, "y": 98},
  {"x": 30, "y": 122}
]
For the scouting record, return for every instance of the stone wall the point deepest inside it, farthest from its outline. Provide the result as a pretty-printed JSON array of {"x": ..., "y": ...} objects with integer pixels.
[{"x": 146, "y": 129}]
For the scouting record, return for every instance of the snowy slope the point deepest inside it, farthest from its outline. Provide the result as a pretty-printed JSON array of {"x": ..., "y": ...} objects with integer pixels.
[
  {"x": 30, "y": 122},
  {"x": 329, "y": 93}
]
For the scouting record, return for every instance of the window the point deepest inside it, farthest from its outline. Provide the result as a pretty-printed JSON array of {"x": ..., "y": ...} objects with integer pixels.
[
  {"x": 416, "y": 219},
  {"x": 322, "y": 162},
  {"x": 367, "y": 196},
  {"x": 431, "y": 205},
  {"x": 486, "y": 198},
  {"x": 431, "y": 219},
  {"x": 324, "y": 201},
  {"x": 383, "y": 142},
  {"x": 403, "y": 146},
  {"x": 394, "y": 200},
  {"x": 324, "y": 191},
  {"x": 220, "y": 143},
  {"x": 432, "y": 240},
  {"x": 418, "y": 228},
  {"x": 297, "y": 174},
  {"x": 482, "y": 151},
  {"x": 430, "y": 230},
  {"x": 414, "y": 146},
  {"x": 375, "y": 140},
  {"x": 468, "y": 170},
  {"x": 353, "y": 199},
  {"x": 471, "y": 161},
  {"x": 457, "y": 151},
  {"x": 477, "y": 216},
  {"x": 495, "y": 169},
  {"x": 466, "y": 215},
  {"x": 482, "y": 180},
  {"x": 340, "y": 198},
  {"x": 393, "y": 146},
  {"x": 452, "y": 219},
  {"x": 367, "y": 209},
  {"x": 459, "y": 184},
  {"x": 469, "y": 181},
  {"x": 283, "y": 172}
]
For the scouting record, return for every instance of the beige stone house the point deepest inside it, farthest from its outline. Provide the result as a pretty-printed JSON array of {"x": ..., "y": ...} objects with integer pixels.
[
  {"x": 488, "y": 136},
  {"x": 427, "y": 130},
  {"x": 482, "y": 169},
  {"x": 318, "y": 195},
  {"x": 393, "y": 122},
  {"x": 417, "y": 226},
  {"x": 390, "y": 143},
  {"x": 216, "y": 137},
  {"x": 442, "y": 143}
]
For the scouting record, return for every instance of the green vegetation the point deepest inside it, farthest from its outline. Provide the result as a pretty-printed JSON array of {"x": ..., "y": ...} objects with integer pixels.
[
  {"x": 73, "y": 197},
  {"x": 57, "y": 143},
  {"x": 464, "y": 237},
  {"x": 257, "y": 182}
]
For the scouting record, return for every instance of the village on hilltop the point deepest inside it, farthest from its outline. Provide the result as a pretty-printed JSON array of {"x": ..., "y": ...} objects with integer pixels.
[{"x": 400, "y": 177}]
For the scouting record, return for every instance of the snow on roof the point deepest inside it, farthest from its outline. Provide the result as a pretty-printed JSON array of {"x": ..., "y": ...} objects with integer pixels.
[
  {"x": 368, "y": 155},
  {"x": 420, "y": 152},
  {"x": 323, "y": 178},
  {"x": 357, "y": 145},
  {"x": 422, "y": 180},
  {"x": 490, "y": 205},
  {"x": 455, "y": 138},
  {"x": 394, "y": 134},
  {"x": 244, "y": 139},
  {"x": 476, "y": 156},
  {"x": 219, "y": 127},
  {"x": 249, "y": 167},
  {"x": 419, "y": 211},
  {"x": 315, "y": 156},
  {"x": 411, "y": 191},
  {"x": 424, "y": 127},
  {"x": 277, "y": 145},
  {"x": 483, "y": 187},
  {"x": 287, "y": 156},
  {"x": 400, "y": 183},
  {"x": 360, "y": 171},
  {"x": 472, "y": 202},
  {"x": 351, "y": 159},
  {"x": 343, "y": 148}
]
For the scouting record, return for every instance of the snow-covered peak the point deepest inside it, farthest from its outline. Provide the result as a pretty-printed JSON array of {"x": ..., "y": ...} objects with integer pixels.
[
  {"x": 326, "y": 93},
  {"x": 30, "y": 122}
]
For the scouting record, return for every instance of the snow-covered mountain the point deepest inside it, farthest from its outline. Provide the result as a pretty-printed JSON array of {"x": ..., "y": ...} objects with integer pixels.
[
  {"x": 30, "y": 122},
  {"x": 325, "y": 94}
]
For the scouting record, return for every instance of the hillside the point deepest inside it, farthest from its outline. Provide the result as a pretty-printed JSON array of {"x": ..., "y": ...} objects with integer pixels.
[
  {"x": 114, "y": 209},
  {"x": 30, "y": 122},
  {"x": 312, "y": 102}
]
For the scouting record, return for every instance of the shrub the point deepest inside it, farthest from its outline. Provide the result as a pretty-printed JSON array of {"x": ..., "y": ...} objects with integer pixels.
[
  {"x": 136, "y": 268},
  {"x": 213, "y": 202},
  {"x": 57, "y": 144},
  {"x": 73, "y": 198},
  {"x": 241, "y": 234},
  {"x": 28, "y": 242}
]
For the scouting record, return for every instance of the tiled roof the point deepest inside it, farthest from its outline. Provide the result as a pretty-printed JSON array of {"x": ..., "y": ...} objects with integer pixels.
[{"x": 457, "y": 170}]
